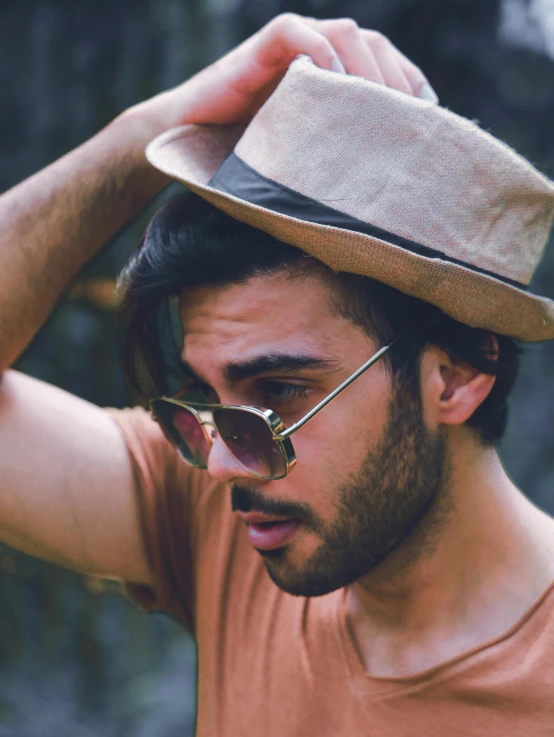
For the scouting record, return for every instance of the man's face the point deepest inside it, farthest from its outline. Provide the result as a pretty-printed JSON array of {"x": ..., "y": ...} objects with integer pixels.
[{"x": 368, "y": 470}]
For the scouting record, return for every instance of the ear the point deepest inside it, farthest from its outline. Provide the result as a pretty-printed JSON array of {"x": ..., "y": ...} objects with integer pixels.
[{"x": 452, "y": 389}]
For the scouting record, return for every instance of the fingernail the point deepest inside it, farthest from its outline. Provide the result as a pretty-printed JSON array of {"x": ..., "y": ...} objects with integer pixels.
[
  {"x": 428, "y": 93},
  {"x": 336, "y": 66}
]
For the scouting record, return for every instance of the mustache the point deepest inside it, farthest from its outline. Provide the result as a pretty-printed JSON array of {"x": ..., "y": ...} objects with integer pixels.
[{"x": 245, "y": 499}]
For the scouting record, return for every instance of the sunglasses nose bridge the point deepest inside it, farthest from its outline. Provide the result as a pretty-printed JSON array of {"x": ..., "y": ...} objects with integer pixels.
[
  {"x": 211, "y": 433},
  {"x": 205, "y": 417}
]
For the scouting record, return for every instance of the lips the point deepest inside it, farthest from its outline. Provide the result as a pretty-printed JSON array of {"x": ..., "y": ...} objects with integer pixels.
[
  {"x": 268, "y": 533},
  {"x": 256, "y": 518}
]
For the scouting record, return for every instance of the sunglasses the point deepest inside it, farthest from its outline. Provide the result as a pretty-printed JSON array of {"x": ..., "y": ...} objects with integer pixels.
[{"x": 256, "y": 437}]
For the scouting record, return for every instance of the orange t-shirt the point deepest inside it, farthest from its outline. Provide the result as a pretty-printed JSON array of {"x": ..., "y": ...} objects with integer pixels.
[{"x": 274, "y": 665}]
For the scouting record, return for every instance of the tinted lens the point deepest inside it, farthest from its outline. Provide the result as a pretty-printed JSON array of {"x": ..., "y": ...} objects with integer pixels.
[
  {"x": 183, "y": 430},
  {"x": 249, "y": 438}
]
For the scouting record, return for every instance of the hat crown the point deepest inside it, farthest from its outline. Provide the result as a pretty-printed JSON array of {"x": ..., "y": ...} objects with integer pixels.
[
  {"x": 403, "y": 165},
  {"x": 375, "y": 182}
]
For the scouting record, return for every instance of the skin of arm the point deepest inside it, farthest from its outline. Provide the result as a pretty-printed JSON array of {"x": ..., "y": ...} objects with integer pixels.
[{"x": 66, "y": 487}]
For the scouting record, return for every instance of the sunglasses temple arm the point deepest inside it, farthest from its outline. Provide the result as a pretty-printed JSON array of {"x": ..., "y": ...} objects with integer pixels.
[{"x": 293, "y": 428}]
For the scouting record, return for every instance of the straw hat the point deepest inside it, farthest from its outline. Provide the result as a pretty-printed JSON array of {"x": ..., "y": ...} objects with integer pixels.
[{"x": 375, "y": 182}]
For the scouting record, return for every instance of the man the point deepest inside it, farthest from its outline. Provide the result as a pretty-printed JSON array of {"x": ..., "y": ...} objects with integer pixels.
[{"x": 356, "y": 292}]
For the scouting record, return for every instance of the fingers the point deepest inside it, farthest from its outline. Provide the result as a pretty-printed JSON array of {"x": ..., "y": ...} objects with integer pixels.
[
  {"x": 233, "y": 89},
  {"x": 397, "y": 66},
  {"x": 388, "y": 59},
  {"x": 340, "y": 45},
  {"x": 289, "y": 35},
  {"x": 371, "y": 55},
  {"x": 351, "y": 47}
]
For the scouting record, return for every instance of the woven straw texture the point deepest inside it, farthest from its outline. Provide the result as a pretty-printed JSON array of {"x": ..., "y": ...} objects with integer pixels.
[{"x": 399, "y": 163}]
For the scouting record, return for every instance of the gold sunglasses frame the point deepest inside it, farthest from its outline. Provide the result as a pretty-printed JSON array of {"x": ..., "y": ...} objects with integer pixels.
[{"x": 279, "y": 433}]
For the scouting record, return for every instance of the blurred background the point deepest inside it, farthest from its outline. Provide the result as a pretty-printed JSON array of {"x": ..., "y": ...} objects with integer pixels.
[{"x": 76, "y": 658}]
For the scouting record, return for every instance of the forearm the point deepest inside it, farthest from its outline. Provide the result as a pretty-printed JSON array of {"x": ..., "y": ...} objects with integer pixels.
[{"x": 54, "y": 222}]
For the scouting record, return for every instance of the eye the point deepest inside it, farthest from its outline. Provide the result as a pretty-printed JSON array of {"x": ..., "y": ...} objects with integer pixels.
[
  {"x": 198, "y": 391},
  {"x": 276, "y": 392}
]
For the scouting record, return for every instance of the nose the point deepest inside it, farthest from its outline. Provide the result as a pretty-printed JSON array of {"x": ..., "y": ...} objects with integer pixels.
[{"x": 221, "y": 464}]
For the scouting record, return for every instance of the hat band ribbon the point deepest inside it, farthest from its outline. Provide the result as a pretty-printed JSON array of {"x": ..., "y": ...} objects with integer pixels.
[{"x": 237, "y": 178}]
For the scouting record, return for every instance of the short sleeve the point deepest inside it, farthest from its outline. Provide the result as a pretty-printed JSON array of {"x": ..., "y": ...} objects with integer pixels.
[{"x": 167, "y": 494}]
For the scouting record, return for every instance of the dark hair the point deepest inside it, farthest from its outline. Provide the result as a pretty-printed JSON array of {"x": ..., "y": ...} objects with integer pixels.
[{"x": 191, "y": 243}]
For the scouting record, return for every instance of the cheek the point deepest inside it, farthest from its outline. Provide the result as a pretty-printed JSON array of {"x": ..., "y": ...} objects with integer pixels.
[{"x": 332, "y": 446}]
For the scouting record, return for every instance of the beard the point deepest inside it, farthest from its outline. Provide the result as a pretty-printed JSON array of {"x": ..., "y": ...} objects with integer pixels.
[{"x": 398, "y": 484}]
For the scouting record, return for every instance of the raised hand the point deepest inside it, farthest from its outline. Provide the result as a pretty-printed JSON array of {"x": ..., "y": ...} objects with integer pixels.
[{"x": 233, "y": 88}]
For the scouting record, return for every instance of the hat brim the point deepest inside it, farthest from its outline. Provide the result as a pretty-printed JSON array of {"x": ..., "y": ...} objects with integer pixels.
[{"x": 192, "y": 154}]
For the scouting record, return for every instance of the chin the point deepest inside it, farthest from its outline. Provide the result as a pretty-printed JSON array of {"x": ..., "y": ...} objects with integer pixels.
[{"x": 302, "y": 581}]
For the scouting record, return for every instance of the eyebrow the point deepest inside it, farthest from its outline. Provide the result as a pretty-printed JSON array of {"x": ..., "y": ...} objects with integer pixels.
[{"x": 275, "y": 362}]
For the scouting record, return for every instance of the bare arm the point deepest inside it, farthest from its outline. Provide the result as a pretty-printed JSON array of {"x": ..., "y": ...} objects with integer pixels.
[
  {"x": 54, "y": 222},
  {"x": 66, "y": 489},
  {"x": 66, "y": 486}
]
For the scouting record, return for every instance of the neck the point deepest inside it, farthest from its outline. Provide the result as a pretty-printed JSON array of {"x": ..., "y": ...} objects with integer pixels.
[{"x": 471, "y": 570}]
